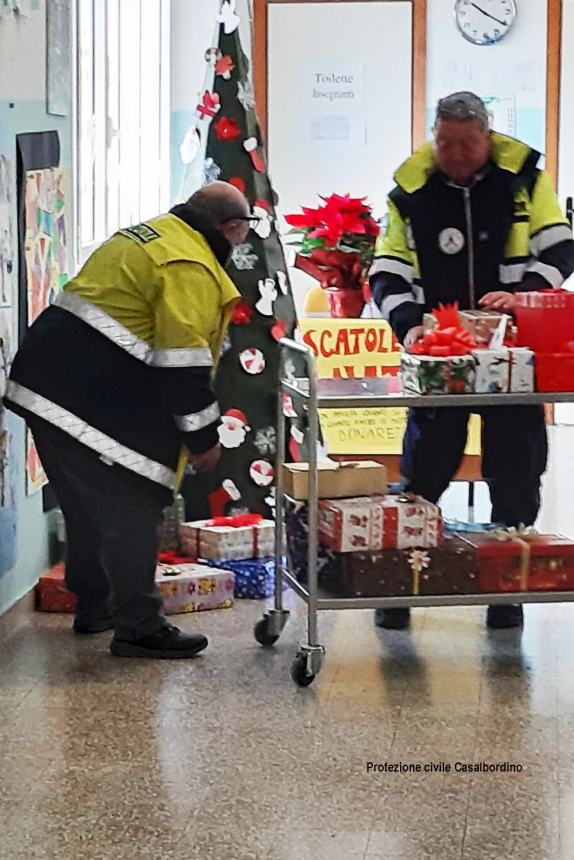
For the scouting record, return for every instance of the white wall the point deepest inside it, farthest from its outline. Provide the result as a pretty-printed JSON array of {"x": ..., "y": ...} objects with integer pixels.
[
  {"x": 516, "y": 66},
  {"x": 23, "y": 109}
]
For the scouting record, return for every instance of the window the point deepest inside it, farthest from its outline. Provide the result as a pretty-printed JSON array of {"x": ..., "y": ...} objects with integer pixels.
[{"x": 123, "y": 115}]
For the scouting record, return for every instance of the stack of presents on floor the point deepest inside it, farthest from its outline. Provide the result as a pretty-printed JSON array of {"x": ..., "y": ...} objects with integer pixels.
[
  {"x": 203, "y": 565},
  {"x": 372, "y": 544},
  {"x": 482, "y": 352}
]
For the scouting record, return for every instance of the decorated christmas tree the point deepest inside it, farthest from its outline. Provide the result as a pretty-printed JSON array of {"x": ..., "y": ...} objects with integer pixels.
[{"x": 227, "y": 145}]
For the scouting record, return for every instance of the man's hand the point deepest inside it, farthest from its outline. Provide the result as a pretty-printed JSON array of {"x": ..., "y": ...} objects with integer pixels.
[
  {"x": 415, "y": 333},
  {"x": 207, "y": 461},
  {"x": 498, "y": 301}
]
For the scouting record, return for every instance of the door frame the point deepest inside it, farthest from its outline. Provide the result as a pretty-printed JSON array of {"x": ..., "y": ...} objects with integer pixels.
[
  {"x": 553, "y": 63},
  {"x": 419, "y": 39}
]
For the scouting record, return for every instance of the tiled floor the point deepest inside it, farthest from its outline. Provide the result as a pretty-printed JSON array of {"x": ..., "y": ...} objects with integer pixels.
[{"x": 225, "y": 758}]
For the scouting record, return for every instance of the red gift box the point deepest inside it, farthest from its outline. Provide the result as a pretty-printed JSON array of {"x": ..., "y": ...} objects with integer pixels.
[
  {"x": 555, "y": 371},
  {"x": 51, "y": 594},
  {"x": 530, "y": 562}
]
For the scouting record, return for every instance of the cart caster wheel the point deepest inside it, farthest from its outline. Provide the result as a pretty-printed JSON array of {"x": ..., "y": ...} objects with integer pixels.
[
  {"x": 299, "y": 672},
  {"x": 263, "y": 634}
]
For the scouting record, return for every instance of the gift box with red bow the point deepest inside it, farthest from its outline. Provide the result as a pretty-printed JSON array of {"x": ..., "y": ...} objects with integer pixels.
[
  {"x": 224, "y": 538},
  {"x": 189, "y": 587},
  {"x": 379, "y": 522},
  {"x": 522, "y": 560}
]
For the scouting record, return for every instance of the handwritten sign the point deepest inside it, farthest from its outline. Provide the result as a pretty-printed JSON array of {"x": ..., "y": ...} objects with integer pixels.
[
  {"x": 356, "y": 348},
  {"x": 351, "y": 348}
]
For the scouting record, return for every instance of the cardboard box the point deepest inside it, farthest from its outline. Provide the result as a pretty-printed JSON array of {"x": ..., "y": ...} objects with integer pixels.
[
  {"x": 336, "y": 480},
  {"x": 379, "y": 522},
  {"x": 194, "y": 588}
]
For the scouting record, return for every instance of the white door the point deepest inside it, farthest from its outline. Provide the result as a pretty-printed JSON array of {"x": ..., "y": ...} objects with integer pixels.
[{"x": 339, "y": 102}]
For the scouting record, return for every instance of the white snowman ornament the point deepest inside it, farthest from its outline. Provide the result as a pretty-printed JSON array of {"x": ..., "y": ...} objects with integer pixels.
[
  {"x": 263, "y": 226},
  {"x": 268, "y": 293}
]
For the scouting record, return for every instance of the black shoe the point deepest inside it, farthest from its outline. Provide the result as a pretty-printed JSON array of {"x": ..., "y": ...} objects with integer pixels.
[
  {"x": 86, "y": 627},
  {"x": 393, "y": 619},
  {"x": 503, "y": 616},
  {"x": 169, "y": 643}
]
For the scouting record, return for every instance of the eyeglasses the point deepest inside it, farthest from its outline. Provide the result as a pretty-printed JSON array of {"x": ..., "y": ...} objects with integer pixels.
[{"x": 252, "y": 220}]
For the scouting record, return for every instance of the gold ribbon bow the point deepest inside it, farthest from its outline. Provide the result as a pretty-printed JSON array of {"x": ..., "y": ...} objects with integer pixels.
[{"x": 523, "y": 535}]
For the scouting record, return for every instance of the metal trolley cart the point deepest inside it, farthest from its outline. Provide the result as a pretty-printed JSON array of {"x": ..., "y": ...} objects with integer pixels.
[{"x": 309, "y": 658}]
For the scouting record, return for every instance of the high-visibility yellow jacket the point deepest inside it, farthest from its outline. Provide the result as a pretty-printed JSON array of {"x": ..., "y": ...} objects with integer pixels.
[
  {"x": 445, "y": 243},
  {"x": 123, "y": 360}
]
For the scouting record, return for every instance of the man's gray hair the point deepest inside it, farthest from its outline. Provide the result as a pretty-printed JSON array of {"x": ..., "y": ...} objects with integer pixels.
[{"x": 463, "y": 106}]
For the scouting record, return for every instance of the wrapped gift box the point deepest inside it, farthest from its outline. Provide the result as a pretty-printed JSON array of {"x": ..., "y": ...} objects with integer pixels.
[
  {"x": 448, "y": 569},
  {"x": 51, "y": 594},
  {"x": 336, "y": 480},
  {"x": 480, "y": 324},
  {"x": 502, "y": 370},
  {"x": 254, "y": 578},
  {"x": 528, "y": 563},
  {"x": 492, "y": 371},
  {"x": 297, "y": 531},
  {"x": 379, "y": 522},
  {"x": 203, "y": 539},
  {"x": 521, "y": 369},
  {"x": 194, "y": 587},
  {"x": 428, "y": 374}
]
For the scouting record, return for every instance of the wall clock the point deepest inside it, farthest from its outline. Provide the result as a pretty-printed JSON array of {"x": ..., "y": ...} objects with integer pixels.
[{"x": 485, "y": 22}]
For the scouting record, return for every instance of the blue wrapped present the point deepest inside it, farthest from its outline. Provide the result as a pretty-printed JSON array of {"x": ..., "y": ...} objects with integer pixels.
[
  {"x": 254, "y": 577},
  {"x": 329, "y": 563}
]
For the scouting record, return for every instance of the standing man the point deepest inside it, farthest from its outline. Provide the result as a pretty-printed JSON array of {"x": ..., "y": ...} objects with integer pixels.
[
  {"x": 472, "y": 220},
  {"x": 112, "y": 380}
]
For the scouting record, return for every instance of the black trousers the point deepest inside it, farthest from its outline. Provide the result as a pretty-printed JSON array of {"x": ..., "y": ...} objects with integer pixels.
[
  {"x": 515, "y": 452},
  {"x": 112, "y": 533}
]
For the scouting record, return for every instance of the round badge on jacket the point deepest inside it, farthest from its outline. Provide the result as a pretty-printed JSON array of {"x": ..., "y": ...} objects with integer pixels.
[{"x": 451, "y": 240}]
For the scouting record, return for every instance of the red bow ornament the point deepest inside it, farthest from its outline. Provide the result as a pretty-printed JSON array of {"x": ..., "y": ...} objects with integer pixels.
[{"x": 209, "y": 105}]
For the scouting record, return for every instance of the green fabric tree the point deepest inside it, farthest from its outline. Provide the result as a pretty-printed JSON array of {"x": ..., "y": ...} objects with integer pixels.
[{"x": 246, "y": 380}]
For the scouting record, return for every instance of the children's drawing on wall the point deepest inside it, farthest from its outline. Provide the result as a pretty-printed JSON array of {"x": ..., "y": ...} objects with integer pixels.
[
  {"x": 7, "y": 248},
  {"x": 45, "y": 248},
  {"x": 42, "y": 244}
]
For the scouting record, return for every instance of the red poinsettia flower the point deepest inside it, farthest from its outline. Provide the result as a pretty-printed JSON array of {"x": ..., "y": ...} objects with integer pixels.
[
  {"x": 226, "y": 129},
  {"x": 337, "y": 243},
  {"x": 224, "y": 67}
]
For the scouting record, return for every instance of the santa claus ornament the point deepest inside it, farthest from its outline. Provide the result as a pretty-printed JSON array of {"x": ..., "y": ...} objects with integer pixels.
[
  {"x": 261, "y": 473},
  {"x": 233, "y": 428}
]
